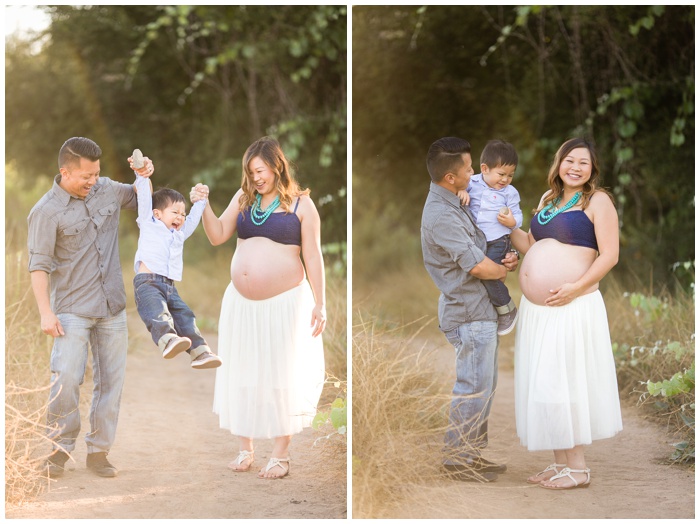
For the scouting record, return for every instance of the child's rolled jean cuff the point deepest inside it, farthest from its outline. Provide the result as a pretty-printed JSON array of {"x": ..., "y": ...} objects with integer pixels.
[{"x": 504, "y": 310}]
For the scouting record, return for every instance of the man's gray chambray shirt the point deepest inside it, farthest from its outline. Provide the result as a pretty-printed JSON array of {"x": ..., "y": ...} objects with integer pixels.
[
  {"x": 452, "y": 246},
  {"x": 76, "y": 242}
]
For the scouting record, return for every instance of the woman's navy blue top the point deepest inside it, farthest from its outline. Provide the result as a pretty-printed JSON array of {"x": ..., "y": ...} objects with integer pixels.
[
  {"x": 571, "y": 227},
  {"x": 284, "y": 228}
]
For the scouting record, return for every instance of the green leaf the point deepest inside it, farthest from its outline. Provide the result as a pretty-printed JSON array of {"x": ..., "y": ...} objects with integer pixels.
[
  {"x": 339, "y": 417},
  {"x": 319, "y": 420},
  {"x": 624, "y": 179},
  {"x": 625, "y": 154},
  {"x": 633, "y": 109},
  {"x": 626, "y": 128},
  {"x": 677, "y": 139},
  {"x": 688, "y": 421},
  {"x": 248, "y": 51}
]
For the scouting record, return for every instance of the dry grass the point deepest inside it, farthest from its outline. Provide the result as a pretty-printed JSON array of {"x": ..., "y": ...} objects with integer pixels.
[
  {"x": 24, "y": 435},
  {"x": 26, "y": 390},
  {"x": 399, "y": 418}
]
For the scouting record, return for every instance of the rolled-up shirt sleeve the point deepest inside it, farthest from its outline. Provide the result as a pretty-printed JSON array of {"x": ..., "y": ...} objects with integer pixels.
[{"x": 41, "y": 241}]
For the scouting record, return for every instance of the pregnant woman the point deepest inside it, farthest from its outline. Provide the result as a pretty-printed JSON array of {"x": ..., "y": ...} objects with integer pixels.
[
  {"x": 271, "y": 318},
  {"x": 565, "y": 384}
]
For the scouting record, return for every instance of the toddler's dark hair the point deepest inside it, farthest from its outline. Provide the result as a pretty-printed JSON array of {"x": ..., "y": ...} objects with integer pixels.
[
  {"x": 166, "y": 196},
  {"x": 499, "y": 153}
]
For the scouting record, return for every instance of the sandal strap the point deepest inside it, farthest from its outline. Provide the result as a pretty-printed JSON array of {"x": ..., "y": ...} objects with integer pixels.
[
  {"x": 276, "y": 462},
  {"x": 552, "y": 467},
  {"x": 242, "y": 455},
  {"x": 566, "y": 472}
]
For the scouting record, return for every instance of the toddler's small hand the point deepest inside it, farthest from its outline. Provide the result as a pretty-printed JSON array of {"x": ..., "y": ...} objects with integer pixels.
[
  {"x": 199, "y": 192},
  {"x": 464, "y": 197},
  {"x": 505, "y": 217}
]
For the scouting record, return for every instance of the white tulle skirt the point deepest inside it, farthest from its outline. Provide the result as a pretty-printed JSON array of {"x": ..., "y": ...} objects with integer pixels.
[
  {"x": 565, "y": 382},
  {"x": 273, "y": 369}
]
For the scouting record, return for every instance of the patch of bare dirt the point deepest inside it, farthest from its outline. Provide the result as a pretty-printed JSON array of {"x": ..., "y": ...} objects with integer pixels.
[{"x": 172, "y": 457}]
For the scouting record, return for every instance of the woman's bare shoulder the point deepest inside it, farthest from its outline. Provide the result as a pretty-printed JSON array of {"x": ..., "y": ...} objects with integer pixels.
[{"x": 602, "y": 198}]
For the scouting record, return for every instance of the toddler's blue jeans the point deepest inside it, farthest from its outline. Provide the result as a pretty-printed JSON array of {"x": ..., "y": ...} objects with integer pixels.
[{"x": 162, "y": 309}]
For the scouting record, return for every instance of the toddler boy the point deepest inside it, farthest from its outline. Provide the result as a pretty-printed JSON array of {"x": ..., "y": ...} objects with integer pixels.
[
  {"x": 158, "y": 263},
  {"x": 495, "y": 206}
]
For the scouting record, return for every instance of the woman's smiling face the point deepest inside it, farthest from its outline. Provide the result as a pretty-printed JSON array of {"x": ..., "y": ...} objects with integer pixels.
[
  {"x": 262, "y": 177},
  {"x": 576, "y": 168}
]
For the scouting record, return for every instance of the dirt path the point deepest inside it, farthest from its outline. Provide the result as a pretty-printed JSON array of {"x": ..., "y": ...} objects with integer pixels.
[
  {"x": 629, "y": 479},
  {"x": 172, "y": 457}
]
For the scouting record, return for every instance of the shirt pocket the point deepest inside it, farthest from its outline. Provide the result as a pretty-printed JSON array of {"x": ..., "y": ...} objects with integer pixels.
[
  {"x": 72, "y": 235},
  {"x": 107, "y": 217}
]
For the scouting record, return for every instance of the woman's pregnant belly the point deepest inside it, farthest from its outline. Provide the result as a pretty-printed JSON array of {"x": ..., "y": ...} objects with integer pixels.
[
  {"x": 261, "y": 268},
  {"x": 548, "y": 264}
]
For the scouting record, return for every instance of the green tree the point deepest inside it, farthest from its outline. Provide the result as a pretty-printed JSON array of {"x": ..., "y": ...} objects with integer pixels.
[
  {"x": 535, "y": 76},
  {"x": 191, "y": 86}
]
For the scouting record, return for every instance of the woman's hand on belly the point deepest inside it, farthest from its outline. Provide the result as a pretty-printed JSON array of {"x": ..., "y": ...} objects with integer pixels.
[{"x": 565, "y": 294}]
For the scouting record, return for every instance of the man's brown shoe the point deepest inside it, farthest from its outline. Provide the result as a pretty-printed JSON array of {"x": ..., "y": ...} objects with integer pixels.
[
  {"x": 98, "y": 463},
  {"x": 469, "y": 473},
  {"x": 55, "y": 464}
]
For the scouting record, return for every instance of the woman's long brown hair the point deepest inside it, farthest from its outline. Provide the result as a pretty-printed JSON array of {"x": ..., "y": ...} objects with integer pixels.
[
  {"x": 270, "y": 152},
  {"x": 555, "y": 182}
]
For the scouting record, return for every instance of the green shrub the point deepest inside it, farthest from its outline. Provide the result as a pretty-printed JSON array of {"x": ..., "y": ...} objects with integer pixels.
[{"x": 655, "y": 356}]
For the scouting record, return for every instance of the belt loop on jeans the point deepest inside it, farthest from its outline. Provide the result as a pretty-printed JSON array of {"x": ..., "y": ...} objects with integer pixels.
[
  {"x": 156, "y": 277},
  {"x": 164, "y": 279}
]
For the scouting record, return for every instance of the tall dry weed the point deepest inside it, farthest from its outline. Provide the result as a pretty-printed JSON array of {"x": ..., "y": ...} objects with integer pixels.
[
  {"x": 26, "y": 392},
  {"x": 399, "y": 415},
  {"x": 24, "y": 453}
]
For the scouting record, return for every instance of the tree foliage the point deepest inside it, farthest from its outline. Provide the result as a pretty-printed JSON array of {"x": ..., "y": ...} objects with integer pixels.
[
  {"x": 534, "y": 76},
  {"x": 192, "y": 87}
]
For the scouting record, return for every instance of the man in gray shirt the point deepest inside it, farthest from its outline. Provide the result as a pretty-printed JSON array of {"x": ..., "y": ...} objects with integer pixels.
[
  {"x": 454, "y": 255},
  {"x": 77, "y": 281}
]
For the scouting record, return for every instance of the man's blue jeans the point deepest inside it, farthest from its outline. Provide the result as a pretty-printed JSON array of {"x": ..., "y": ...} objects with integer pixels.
[
  {"x": 476, "y": 346},
  {"x": 107, "y": 339},
  {"x": 162, "y": 309}
]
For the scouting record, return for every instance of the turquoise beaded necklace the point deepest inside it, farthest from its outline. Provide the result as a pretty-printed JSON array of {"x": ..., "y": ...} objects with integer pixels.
[
  {"x": 543, "y": 218},
  {"x": 257, "y": 215}
]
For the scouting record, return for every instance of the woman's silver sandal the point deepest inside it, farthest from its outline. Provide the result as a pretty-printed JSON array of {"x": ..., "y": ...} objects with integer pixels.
[
  {"x": 567, "y": 472},
  {"x": 242, "y": 455},
  {"x": 552, "y": 467},
  {"x": 275, "y": 462}
]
